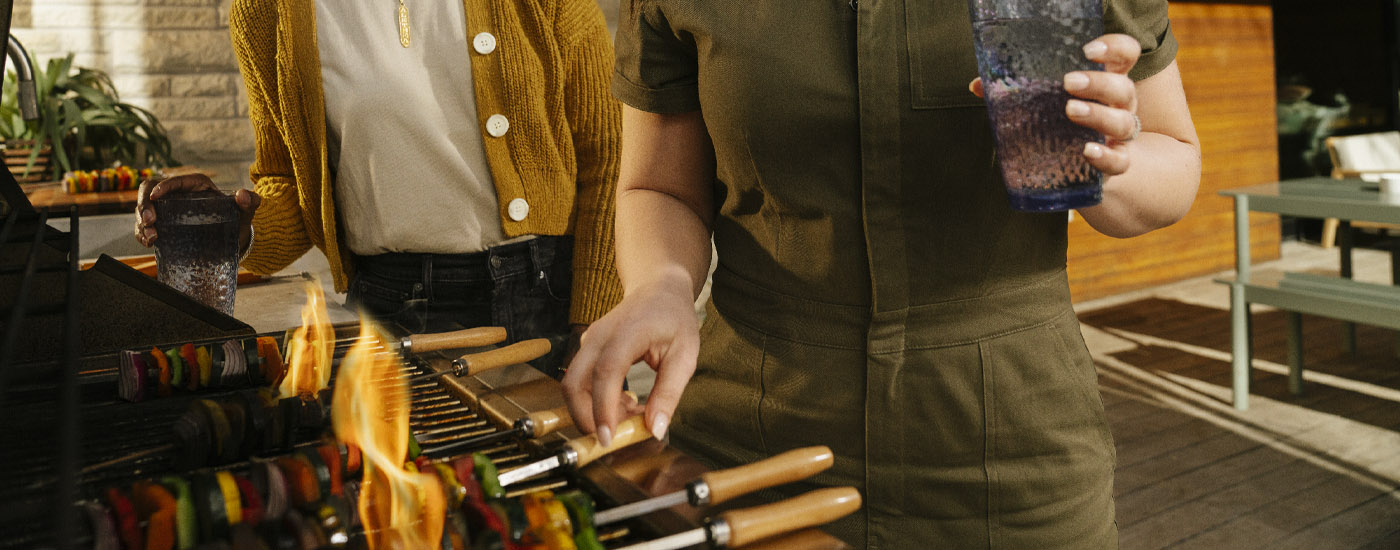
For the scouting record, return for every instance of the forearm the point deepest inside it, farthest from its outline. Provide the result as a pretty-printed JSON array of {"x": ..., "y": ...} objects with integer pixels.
[
  {"x": 660, "y": 241},
  {"x": 1164, "y": 164},
  {"x": 1155, "y": 192}
]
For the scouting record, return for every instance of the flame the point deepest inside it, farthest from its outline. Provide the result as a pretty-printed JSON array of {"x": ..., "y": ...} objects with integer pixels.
[
  {"x": 399, "y": 509},
  {"x": 309, "y": 348}
]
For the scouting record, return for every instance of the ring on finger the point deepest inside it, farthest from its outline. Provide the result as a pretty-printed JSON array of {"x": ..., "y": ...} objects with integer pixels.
[{"x": 1137, "y": 128}]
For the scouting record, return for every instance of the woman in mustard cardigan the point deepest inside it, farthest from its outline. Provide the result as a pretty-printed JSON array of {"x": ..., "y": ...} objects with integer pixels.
[{"x": 455, "y": 161}]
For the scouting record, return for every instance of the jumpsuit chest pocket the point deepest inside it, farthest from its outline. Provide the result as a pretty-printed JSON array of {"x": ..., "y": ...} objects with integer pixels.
[{"x": 942, "y": 59}]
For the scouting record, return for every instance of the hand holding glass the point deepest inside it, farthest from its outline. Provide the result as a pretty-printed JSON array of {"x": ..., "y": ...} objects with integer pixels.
[{"x": 1024, "y": 49}]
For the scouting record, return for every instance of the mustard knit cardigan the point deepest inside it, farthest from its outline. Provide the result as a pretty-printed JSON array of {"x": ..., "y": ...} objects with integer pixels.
[{"x": 549, "y": 76}]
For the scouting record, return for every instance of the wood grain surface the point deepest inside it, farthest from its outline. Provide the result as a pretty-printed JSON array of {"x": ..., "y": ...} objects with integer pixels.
[{"x": 1227, "y": 66}]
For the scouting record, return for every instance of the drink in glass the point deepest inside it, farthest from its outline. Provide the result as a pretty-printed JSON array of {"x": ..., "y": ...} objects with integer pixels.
[
  {"x": 197, "y": 246},
  {"x": 1024, "y": 49}
]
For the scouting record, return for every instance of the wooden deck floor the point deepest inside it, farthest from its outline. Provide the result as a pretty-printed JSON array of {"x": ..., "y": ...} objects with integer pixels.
[{"x": 1317, "y": 471}]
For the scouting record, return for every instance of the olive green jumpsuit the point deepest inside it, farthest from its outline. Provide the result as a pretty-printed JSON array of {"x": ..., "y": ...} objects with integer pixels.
[{"x": 874, "y": 291}]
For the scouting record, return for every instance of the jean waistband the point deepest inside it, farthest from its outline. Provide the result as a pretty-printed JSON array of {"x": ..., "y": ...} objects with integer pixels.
[{"x": 493, "y": 263}]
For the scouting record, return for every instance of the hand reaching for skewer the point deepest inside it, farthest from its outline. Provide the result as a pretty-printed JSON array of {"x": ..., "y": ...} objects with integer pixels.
[{"x": 656, "y": 324}]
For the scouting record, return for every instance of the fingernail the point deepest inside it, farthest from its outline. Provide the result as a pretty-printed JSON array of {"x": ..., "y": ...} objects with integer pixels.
[
  {"x": 1095, "y": 50},
  {"x": 659, "y": 425},
  {"x": 1076, "y": 81},
  {"x": 1093, "y": 150},
  {"x": 1076, "y": 108},
  {"x": 148, "y": 216},
  {"x": 604, "y": 436}
]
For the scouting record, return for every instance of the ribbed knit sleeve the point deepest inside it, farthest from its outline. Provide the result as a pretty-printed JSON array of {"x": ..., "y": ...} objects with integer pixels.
[
  {"x": 595, "y": 121},
  {"x": 279, "y": 230}
]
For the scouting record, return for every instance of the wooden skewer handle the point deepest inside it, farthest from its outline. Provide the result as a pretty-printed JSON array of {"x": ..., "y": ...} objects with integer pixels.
[
  {"x": 628, "y": 432},
  {"x": 467, "y": 338},
  {"x": 547, "y": 422},
  {"x": 514, "y": 354},
  {"x": 558, "y": 418},
  {"x": 794, "y": 465},
  {"x": 818, "y": 507}
]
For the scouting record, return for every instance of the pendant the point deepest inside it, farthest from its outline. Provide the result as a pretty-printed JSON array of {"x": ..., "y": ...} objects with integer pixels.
[{"x": 403, "y": 25}]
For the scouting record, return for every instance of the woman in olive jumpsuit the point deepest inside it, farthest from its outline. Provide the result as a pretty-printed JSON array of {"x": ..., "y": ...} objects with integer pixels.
[{"x": 874, "y": 291}]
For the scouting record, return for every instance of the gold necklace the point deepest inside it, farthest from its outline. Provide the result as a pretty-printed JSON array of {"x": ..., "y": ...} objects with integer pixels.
[{"x": 403, "y": 24}]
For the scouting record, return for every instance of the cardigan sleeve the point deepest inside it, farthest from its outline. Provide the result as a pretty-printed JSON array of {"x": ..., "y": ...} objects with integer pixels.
[
  {"x": 280, "y": 235},
  {"x": 595, "y": 122}
]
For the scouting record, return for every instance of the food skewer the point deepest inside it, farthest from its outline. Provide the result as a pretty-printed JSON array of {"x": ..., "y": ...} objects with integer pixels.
[
  {"x": 477, "y": 363},
  {"x": 720, "y": 486},
  {"x": 581, "y": 451},
  {"x": 740, "y": 527}
]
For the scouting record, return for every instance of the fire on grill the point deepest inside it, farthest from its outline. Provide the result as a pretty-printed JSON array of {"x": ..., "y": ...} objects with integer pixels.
[{"x": 245, "y": 450}]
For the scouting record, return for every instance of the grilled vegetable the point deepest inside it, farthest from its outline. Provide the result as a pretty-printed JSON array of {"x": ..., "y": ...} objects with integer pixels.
[{"x": 186, "y": 521}]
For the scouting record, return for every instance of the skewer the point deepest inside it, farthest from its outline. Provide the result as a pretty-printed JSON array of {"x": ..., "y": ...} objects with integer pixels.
[
  {"x": 433, "y": 341},
  {"x": 581, "y": 451},
  {"x": 474, "y": 424},
  {"x": 721, "y": 486},
  {"x": 740, "y": 527},
  {"x": 536, "y": 424},
  {"x": 477, "y": 363}
]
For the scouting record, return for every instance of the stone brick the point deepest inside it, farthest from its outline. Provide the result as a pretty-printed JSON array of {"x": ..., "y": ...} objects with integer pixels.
[
  {"x": 141, "y": 85},
  {"x": 92, "y": 60},
  {"x": 22, "y": 15},
  {"x": 171, "y": 109},
  {"x": 230, "y": 176},
  {"x": 226, "y": 140},
  {"x": 241, "y": 102},
  {"x": 174, "y": 51},
  {"x": 202, "y": 85},
  {"x": 47, "y": 43},
  {"x": 224, "y": 7},
  {"x": 180, "y": 2}
]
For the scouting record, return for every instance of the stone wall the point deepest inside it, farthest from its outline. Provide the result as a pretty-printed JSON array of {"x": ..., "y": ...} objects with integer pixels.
[{"x": 170, "y": 56}]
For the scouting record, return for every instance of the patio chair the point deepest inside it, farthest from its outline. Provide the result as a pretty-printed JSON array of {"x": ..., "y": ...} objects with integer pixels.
[{"x": 1366, "y": 156}]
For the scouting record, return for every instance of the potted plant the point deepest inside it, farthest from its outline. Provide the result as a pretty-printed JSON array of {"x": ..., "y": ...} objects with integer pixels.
[{"x": 83, "y": 123}]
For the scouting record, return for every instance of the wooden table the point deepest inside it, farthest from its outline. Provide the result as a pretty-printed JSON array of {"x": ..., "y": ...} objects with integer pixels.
[
  {"x": 52, "y": 195},
  {"x": 1297, "y": 293},
  {"x": 89, "y": 204}
]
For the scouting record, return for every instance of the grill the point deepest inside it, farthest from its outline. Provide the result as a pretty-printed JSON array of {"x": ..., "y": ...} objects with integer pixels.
[{"x": 123, "y": 442}]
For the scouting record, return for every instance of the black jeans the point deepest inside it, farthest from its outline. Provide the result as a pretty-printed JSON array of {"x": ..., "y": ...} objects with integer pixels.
[{"x": 522, "y": 286}]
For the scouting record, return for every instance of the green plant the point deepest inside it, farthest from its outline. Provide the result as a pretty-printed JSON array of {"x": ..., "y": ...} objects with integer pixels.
[{"x": 84, "y": 120}]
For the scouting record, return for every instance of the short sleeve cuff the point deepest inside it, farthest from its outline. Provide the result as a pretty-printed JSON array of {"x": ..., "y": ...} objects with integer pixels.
[
  {"x": 1152, "y": 61},
  {"x": 672, "y": 99}
]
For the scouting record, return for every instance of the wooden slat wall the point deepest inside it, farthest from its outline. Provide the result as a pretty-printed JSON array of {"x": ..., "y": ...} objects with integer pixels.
[{"x": 1227, "y": 65}]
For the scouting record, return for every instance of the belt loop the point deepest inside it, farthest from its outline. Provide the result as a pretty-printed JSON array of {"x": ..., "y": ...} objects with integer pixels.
[{"x": 537, "y": 255}]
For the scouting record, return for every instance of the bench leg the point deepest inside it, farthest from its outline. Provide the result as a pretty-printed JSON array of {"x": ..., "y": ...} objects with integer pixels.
[
  {"x": 1295, "y": 353},
  {"x": 1240, "y": 346},
  {"x": 1345, "y": 237}
]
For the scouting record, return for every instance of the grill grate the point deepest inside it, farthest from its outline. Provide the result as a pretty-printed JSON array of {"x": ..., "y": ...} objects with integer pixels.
[{"x": 144, "y": 431}]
